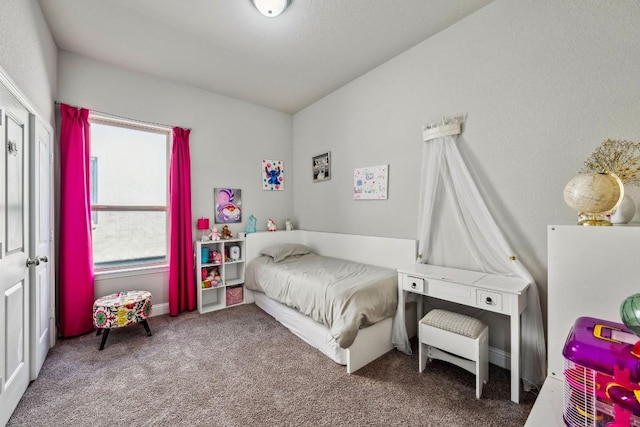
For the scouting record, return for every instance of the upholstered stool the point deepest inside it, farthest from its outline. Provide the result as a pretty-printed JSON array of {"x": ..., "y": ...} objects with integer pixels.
[
  {"x": 121, "y": 309},
  {"x": 458, "y": 339}
]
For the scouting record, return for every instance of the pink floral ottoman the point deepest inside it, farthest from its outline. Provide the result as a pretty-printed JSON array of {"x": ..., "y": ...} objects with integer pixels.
[{"x": 121, "y": 309}]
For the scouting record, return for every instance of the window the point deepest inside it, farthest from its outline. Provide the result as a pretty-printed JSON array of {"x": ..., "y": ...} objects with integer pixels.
[{"x": 129, "y": 194}]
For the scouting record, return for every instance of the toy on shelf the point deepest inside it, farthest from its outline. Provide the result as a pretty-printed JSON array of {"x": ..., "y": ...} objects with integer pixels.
[
  {"x": 288, "y": 225},
  {"x": 215, "y": 257},
  {"x": 226, "y": 233},
  {"x": 210, "y": 277},
  {"x": 271, "y": 225},
  {"x": 251, "y": 227},
  {"x": 602, "y": 375},
  {"x": 215, "y": 235}
]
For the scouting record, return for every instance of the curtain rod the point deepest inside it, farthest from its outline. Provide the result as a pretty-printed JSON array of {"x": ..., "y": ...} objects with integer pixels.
[{"x": 133, "y": 121}]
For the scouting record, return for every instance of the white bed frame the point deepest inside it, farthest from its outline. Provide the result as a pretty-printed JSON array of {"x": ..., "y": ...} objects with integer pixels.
[{"x": 371, "y": 342}]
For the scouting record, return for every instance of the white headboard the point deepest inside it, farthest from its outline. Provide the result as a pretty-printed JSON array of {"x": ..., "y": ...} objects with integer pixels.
[{"x": 382, "y": 251}]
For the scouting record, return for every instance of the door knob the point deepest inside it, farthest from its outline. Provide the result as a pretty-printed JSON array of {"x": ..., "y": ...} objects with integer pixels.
[
  {"x": 32, "y": 262},
  {"x": 43, "y": 258}
]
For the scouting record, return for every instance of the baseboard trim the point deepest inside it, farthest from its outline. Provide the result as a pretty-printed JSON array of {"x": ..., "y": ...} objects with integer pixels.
[
  {"x": 500, "y": 358},
  {"x": 160, "y": 309}
]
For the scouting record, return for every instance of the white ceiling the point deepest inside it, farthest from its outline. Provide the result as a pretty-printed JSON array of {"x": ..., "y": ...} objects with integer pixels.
[{"x": 228, "y": 47}]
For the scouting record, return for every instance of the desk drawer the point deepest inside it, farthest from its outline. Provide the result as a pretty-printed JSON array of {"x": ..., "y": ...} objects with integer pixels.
[
  {"x": 449, "y": 291},
  {"x": 413, "y": 284},
  {"x": 489, "y": 300}
]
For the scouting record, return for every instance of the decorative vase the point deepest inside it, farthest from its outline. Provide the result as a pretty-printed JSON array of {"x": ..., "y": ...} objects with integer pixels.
[{"x": 625, "y": 212}]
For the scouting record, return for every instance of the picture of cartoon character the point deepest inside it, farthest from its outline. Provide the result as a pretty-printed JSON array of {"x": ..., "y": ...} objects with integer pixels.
[
  {"x": 272, "y": 175},
  {"x": 227, "y": 205}
]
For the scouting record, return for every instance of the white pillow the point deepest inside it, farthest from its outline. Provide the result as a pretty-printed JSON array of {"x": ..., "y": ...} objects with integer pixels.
[{"x": 284, "y": 250}]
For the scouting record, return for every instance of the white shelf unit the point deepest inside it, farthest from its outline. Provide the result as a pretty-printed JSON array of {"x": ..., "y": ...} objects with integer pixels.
[
  {"x": 231, "y": 273},
  {"x": 591, "y": 270}
]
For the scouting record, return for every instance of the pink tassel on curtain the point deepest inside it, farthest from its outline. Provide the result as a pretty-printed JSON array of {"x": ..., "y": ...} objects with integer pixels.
[
  {"x": 76, "y": 279},
  {"x": 182, "y": 292}
]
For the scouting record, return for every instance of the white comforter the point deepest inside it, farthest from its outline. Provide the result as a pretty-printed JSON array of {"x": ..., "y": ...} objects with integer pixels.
[{"x": 342, "y": 295}]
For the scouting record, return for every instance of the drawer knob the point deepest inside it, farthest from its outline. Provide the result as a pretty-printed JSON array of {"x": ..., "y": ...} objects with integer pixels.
[
  {"x": 414, "y": 285},
  {"x": 489, "y": 301}
]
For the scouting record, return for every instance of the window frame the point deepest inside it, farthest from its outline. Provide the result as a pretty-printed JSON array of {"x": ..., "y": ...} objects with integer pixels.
[{"x": 97, "y": 118}]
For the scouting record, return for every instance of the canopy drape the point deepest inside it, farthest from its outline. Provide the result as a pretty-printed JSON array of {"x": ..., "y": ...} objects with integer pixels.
[{"x": 452, "y": 210}]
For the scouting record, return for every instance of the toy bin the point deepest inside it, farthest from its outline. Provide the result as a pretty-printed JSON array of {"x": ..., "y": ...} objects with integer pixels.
[
  {"x": 234, "y": 294},
  {"x": 602, "y": 375}
]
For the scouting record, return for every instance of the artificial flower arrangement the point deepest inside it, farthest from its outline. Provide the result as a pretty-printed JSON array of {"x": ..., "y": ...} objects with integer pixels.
[{"x": 620, "y": 157}]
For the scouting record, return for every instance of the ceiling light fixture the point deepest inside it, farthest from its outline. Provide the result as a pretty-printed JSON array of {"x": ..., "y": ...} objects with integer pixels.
[{"x": 271, "y": 8}]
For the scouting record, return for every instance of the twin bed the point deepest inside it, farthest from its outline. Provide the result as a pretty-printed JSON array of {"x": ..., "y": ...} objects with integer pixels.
[{"x": 337, "y": 292}]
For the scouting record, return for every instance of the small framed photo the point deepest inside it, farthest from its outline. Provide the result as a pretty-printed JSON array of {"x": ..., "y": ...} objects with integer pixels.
[{"x": 321, "y": 165}]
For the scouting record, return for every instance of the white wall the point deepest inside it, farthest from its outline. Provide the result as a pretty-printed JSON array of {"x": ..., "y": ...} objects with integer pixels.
[
  {"x": 229, "y": 138},
  {"x": 28, "y": 53},
  {"x": 542, "y": 83}
]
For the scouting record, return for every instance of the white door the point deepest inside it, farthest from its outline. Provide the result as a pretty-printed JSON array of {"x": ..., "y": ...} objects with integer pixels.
[
  {"x": 14, "y": 248},
  {"x": 41, "y": 230}
]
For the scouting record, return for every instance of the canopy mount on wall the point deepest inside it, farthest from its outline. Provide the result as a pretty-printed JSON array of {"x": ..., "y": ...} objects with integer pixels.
[{"x": 446, "y": 126}]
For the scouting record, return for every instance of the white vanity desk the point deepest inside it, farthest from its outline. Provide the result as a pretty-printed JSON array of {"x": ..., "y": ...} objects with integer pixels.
[{"x": 500, "y": 294}]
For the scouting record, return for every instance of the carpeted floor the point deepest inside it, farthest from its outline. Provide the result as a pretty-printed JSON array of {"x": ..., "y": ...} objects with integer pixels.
[{"x": 239, "y": 367}]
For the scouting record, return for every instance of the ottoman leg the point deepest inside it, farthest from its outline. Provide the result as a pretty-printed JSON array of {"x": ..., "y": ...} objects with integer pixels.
[
  {"x": 146, "y": 327},
  {"x": 99, "y": 331},
  {"x": 104, "y": 338}
]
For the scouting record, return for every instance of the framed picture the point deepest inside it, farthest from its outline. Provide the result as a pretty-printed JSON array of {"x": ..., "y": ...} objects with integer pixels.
[
  {"x": 272, "y": 175},
  {"x": 228, "y": 205},
  {"x": 321, "y": 165},
  {"x": 370, "y": 183}
]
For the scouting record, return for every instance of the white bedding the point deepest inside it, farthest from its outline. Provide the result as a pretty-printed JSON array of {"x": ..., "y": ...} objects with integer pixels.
[{"x": 342, "y": 295}]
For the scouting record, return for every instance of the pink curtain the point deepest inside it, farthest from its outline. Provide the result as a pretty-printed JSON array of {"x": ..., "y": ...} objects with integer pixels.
[
  {"x": 75, "y": 287},
  {"x": 182, "y": 292}
]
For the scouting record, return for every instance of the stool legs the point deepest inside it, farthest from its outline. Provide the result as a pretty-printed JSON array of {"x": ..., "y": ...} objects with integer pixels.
[
  {"x": 106, "y": 332},
  {"x": 146, "y": 326},
  {"x": 104, "y": 337},
  {"x": 423, "y": 351},
  {"x": 482, "y": 363}
]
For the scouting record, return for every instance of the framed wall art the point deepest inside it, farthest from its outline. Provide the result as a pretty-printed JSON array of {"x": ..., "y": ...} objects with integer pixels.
[
  {"x": 272, "y": 175},
  {"x": 228, "y": 205},
  {"x": 321, "y": 166},
  {"x": 370, "y": 183}
]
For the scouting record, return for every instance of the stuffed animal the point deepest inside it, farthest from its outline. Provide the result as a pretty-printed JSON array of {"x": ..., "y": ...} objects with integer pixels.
[
  {"x": 271, "y": 225},
  {"x": 251, "y": 227},
  {"x": 214, "y": 233},
  {"x": 215, "y": 257},
  {"x": 226, "y": 233},
  {"x": 212, "y": 278}
]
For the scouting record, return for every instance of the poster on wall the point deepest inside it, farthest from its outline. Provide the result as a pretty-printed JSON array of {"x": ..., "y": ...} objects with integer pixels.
[
  {"x": 370, "y": 183},
  {"x": 272, "y": 175},
  {"x": 228, "y": 205}
]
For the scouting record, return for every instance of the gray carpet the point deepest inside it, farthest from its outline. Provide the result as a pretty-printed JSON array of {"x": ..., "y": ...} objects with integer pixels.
[{"x": 239, "y": 367}]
